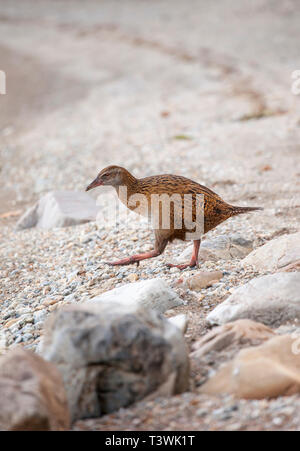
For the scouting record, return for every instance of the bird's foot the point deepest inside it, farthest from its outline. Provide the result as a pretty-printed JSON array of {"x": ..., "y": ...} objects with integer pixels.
[
  {"x": 183, "y": 266},
  {"x": 124, "y": 261}
]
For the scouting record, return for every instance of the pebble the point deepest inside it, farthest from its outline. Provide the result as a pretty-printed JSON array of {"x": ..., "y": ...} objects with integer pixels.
[{"x": 133, "y": 277}]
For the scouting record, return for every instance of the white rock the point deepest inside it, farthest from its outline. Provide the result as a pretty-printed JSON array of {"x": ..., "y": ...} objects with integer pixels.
[
  {"x": 276, "y": 254},
  {"x": 60, "y": 209},
  {"x": 272, "y": 300},
  {"x": 180, "y": 321},
  {"x": 153, "y": 294}
]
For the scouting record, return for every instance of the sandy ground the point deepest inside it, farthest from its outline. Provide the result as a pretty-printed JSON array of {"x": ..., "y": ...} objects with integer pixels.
[{"x": 197, "y": 88}]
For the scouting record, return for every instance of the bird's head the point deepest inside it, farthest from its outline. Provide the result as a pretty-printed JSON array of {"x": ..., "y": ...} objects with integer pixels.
[{"x": 111, "y": 176}]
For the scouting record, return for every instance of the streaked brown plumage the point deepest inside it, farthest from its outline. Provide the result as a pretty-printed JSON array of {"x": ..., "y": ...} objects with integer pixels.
[{"x": 215, "y": 210}]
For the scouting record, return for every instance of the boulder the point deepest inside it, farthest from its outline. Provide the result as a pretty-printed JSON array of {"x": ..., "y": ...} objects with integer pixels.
[
  {"x": 276, "y": 255},
  {"x": 154, "y": 294},
  {"x": 112, "y": 355},
  {"x": 60, "y": 209},
  {"x": 266, "y": 371},
  {"x": 240, "y": 332},
  {"x": 222, "y": 247},
  {"x": 32, "y": 394},
  {"x": 272, "y": 300}
]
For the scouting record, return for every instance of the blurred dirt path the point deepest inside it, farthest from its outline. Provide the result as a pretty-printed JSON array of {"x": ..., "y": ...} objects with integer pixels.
[{"x": 201, "y": 89}]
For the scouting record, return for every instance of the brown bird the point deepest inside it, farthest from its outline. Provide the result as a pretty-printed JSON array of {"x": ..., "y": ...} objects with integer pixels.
[{"x": 179, "y": 208}]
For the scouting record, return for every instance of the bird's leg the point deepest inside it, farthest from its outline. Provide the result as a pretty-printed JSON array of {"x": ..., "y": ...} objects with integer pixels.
[
  {"x": 134, "y": 258},
  {"x": 159, "y": 247},
  {"x": 194, "y": 259}
]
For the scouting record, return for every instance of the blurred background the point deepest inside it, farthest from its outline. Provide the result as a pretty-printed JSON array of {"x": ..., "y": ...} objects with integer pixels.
[{"x": 199, "y": 88}]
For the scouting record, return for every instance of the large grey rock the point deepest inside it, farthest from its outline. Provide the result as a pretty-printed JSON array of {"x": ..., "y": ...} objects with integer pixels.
[
  {"x": 60, "y": 209},
  {"x": 275, "y": 255},
  {"x": 222, "y": 247},
  {"x": 32, "y": 394},
  {"x": 271, "y": 300},
  {"x": 153, "y": 293},
  {"x": 111, "y": 355}
]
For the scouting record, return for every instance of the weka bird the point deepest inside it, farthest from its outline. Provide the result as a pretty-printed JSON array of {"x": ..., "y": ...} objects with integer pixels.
[{"x": 214, "y": 209}]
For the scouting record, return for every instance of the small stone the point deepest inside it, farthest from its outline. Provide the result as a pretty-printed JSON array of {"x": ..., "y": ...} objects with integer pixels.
[
  {"x": 277, "y": 421},
  {"x": 203, "y": 279},
  {"x": 48, "y": 302},
  {"x": 201, "y": 412},
  {"x": 10, "y": 323},
  {"x": 133, "y": 277}
]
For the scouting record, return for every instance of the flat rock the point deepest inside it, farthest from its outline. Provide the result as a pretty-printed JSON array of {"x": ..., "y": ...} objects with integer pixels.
[
  {"x": 60, "y": 209},
  {"x": 240, "y": 332},
  {"x": 153, "y": 294},
  {"x": 32, "y": 394},
  {"x": 272, "y": 300},
  {"x": 112, "y": 355},
  {"x": 222, "y": 247},
  {"x": 267, "y": 371},
  {"x": 276, "y": 255}
]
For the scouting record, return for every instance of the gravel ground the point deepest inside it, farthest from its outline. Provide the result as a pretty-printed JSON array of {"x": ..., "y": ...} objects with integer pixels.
[
  {"x": 194, "y": 412},
  {"x": 47, "y": 269},
  {"x": 157, "y": 90}
]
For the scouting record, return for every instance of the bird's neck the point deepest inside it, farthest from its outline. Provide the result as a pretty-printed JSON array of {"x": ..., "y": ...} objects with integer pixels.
[{"x": 128, "y": 185}]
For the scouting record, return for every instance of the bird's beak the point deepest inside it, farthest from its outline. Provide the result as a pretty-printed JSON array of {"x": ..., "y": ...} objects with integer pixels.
[{"x": 96, "y": 182}]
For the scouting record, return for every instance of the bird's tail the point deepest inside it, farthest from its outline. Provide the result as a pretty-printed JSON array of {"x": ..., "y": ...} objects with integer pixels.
[{"x": 241, "y": 210}]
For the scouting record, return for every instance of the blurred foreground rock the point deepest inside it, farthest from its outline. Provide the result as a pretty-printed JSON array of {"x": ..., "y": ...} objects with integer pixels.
[
  {"x": 31, "y": 393},
  {"x": 272, "y": 300},
  {"x": 222, "y": 247},
  {"x": 266, "y": 371},
  {"x": 60, "y": 209},
  {"x": 111, "y": 355},
  {"x": 243, "y": 331},
  {"x": 153, "y": 294},
  {"x": 279, "y": 254}
]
